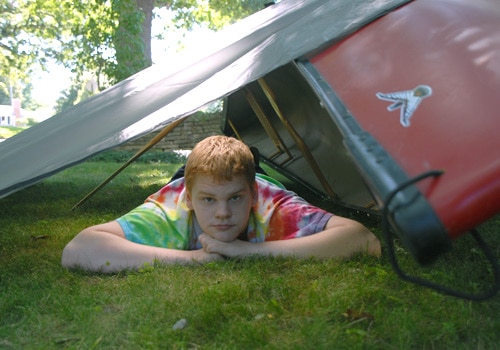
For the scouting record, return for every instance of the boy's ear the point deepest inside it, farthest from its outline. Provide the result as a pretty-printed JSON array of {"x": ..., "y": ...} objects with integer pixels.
[
  {"x": 255, "y": 194},
  {"x": 189, "y": 203}
]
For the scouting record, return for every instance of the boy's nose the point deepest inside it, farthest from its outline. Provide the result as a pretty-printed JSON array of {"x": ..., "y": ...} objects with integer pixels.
[{"x": 223, "y": 210}]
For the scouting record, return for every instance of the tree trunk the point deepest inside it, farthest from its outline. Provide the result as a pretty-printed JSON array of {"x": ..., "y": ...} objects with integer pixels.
[
  {"x": 132, "y": 39},
  {"x": 147, "y": 7}
]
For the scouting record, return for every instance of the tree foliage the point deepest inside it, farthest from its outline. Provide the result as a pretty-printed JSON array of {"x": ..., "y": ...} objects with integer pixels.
[{"x": 111, "y": 39}]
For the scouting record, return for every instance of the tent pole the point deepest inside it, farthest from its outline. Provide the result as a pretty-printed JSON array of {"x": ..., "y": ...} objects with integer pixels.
[
  {"x": 145, "y": 148},
  {"x": 298, "y": 140},
  {"x": 268, "y": 127},
  {"x": 233, "y": 127}
]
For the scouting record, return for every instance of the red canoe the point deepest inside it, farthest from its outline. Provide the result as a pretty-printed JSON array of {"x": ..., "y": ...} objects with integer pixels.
[{"x": 417, "y": 90}]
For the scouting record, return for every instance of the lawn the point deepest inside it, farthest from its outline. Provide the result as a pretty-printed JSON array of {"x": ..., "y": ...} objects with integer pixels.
[
  {"x": 9, "y": 131},
  {"x": 259, "y": 303}
]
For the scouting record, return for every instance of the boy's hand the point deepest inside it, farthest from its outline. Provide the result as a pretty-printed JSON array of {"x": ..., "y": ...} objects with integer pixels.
[
  {"x": 233, "y": 249},
  {"x": 201, "y": 256}
]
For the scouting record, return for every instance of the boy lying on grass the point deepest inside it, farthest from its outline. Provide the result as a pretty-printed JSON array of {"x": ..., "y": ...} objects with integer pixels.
[{"x": 220, "y": 209}]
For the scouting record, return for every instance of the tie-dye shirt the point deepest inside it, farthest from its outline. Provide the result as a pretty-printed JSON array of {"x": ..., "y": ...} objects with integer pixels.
[{"x": 164, "y": 220}]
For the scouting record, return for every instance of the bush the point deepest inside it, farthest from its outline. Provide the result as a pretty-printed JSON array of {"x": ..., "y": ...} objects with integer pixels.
[{"x": 152, "y": 156}]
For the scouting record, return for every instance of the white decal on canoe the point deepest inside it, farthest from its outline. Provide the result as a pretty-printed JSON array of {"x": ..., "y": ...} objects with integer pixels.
[{"x": 407, "y": 101}]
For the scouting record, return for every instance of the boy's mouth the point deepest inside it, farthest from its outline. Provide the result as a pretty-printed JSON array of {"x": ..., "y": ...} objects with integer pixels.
[{"x": 223, "y": 227}]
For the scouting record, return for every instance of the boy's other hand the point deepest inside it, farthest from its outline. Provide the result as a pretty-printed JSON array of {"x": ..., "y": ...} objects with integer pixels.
[
  {"x": 233, "y": 249},
  {"x": 201, "y": 256}
]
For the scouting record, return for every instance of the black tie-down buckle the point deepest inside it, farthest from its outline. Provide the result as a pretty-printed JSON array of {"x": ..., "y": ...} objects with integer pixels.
[{"x": 389, "y": 241}]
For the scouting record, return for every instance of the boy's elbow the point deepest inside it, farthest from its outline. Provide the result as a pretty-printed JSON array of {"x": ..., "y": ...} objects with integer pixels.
[
  {"x": 69, "y": 253},
  {"x": 74, "y": 251},
  {"x": 368, "y": 242},
  {"x": 373, "y": 245}
]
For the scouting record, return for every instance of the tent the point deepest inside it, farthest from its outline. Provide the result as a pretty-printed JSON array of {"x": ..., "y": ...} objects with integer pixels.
[
  {"x": 382, "y": 105},
  {"x": 161, "y": 94}
]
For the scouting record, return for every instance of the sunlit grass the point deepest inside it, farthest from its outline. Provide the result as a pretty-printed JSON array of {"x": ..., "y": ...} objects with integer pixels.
[
  {"x": 250, "y": 304},
  {"x": 9, "y": 131}
]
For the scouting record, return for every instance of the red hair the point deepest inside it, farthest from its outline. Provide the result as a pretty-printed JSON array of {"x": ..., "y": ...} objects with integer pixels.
[{"x": 222, "y": 158}]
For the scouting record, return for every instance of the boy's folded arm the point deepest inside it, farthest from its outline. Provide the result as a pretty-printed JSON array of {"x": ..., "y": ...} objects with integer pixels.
[
  {"x": 341, "y": 238},
  {"x": 103, "y": 248}
]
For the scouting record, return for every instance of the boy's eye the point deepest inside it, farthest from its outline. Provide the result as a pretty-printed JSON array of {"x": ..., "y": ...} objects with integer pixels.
[
  {"x": 208, "y": 199},
  {"x": 234, "y": 198}
]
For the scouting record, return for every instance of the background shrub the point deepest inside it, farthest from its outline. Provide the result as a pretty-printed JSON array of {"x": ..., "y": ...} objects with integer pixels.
[{"x": 152, "y": 156}]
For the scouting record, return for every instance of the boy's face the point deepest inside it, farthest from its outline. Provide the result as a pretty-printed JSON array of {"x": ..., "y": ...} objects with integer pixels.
[{"x": 222, "y": 209}]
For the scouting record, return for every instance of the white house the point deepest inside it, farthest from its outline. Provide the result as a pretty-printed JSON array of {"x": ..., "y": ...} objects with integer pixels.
[{"x": 10, "y": 113}]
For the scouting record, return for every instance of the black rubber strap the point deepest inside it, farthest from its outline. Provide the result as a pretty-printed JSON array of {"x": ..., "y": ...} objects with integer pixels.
[{"x": 388, "y": 235}]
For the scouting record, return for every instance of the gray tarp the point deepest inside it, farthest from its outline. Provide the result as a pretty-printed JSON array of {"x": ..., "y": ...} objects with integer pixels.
[{"x": 161, "y": 94}]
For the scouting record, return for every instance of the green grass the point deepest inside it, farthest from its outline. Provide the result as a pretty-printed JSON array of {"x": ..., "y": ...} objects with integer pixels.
[
  {"x": 250, "y": 304},
  {"x": 9, "y": 131}
]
